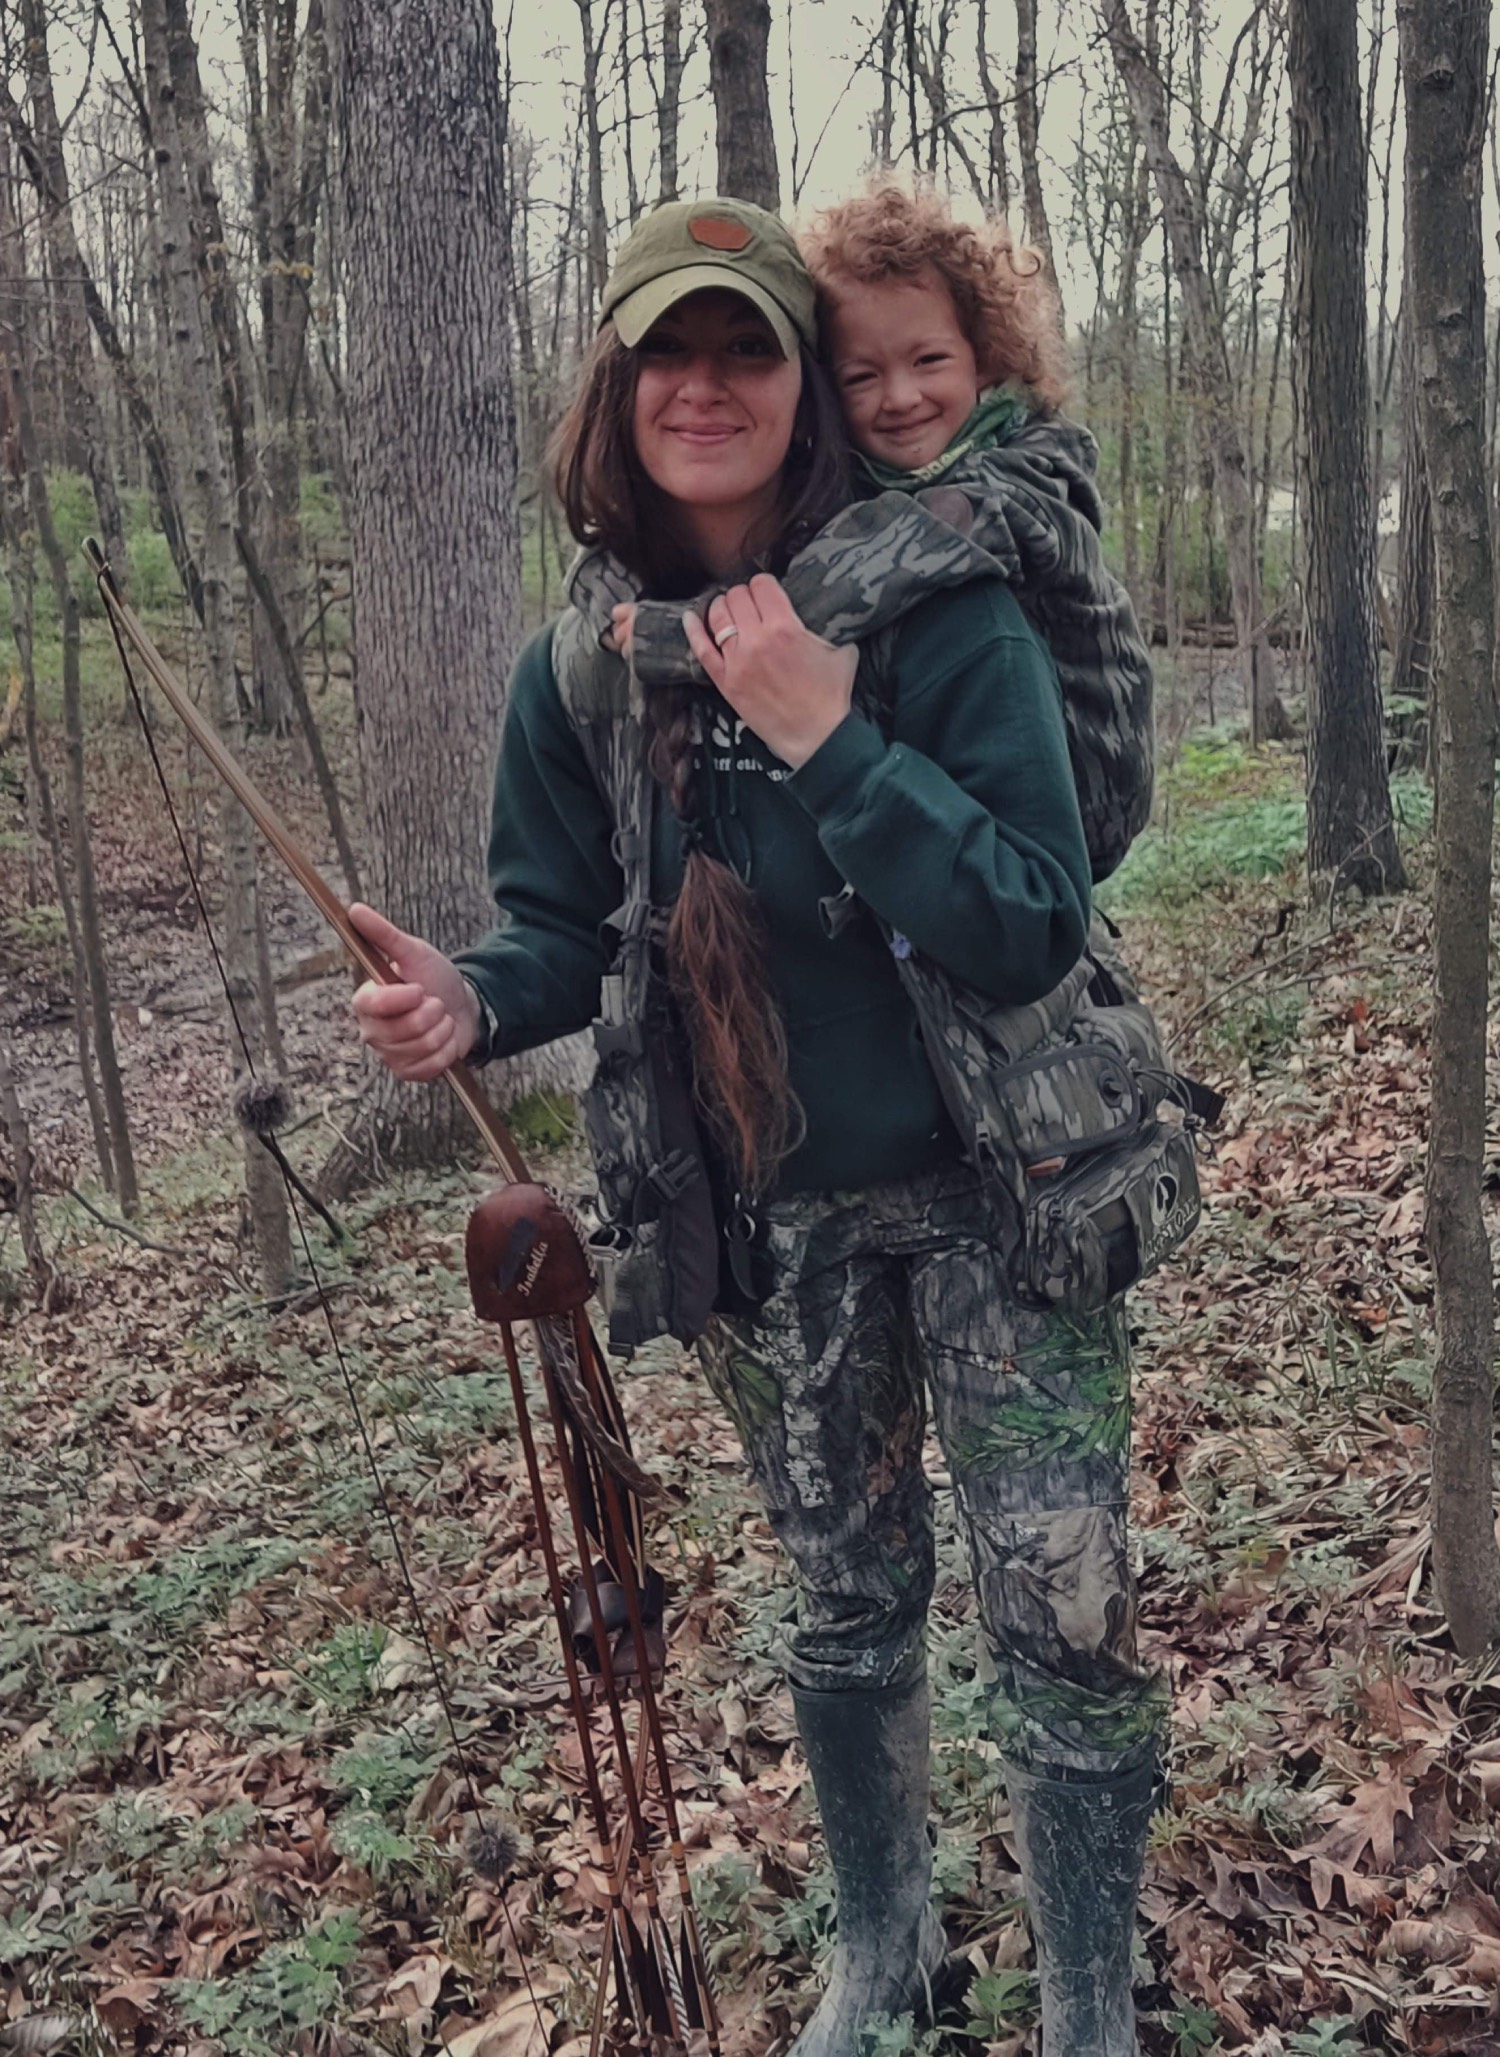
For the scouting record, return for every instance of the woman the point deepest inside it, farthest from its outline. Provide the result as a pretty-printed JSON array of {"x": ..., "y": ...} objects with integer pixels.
[{"x": 928, "y": 786}]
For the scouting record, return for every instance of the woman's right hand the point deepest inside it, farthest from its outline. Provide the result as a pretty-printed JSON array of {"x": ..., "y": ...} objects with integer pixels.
[{"x": 429, "y": 1020}]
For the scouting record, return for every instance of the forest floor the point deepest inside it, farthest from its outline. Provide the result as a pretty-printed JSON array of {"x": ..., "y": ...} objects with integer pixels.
[{"x": 231, "y": 1819}]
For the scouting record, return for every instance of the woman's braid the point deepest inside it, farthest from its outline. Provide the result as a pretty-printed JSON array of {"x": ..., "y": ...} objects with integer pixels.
[{"x": 716, "y": 963}]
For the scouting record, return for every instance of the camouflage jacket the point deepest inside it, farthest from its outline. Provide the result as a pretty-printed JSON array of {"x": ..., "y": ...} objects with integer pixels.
[{"x": 1027, "y": 509}]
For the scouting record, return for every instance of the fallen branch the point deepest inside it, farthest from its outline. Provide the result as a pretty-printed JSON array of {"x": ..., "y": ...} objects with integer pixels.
[{"x": 123, "y": 1228}]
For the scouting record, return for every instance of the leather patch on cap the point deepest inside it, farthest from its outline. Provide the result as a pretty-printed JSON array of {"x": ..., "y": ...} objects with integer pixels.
[{"x": 714, "y": 233}]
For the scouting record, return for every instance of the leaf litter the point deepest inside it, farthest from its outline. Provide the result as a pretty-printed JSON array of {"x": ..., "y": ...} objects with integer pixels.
[{"x": 230, "y": 1816}]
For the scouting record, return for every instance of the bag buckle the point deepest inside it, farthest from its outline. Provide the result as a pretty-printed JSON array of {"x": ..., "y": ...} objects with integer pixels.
[{"x": 618, "y": 1039}]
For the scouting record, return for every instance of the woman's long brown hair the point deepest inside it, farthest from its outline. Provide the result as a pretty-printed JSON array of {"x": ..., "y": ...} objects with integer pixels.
[{"x": 716, "y": 954}]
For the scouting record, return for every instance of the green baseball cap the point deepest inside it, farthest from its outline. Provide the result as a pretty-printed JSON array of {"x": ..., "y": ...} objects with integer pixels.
[{"x": 694, "y": 246}]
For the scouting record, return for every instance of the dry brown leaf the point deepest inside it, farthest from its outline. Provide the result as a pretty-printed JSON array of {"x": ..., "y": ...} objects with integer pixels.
[
  {"x": 415, "y": 1987},
  {"x": 1366, "y": 1821},
  {"x": 514, "y": 2029},
  {"x": 36, "y": 2034}
]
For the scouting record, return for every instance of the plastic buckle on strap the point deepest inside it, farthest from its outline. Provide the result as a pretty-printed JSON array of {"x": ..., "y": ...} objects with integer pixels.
[
  {"x": 618, "y": 1039},
  {"x": 673, "y": 1175}
]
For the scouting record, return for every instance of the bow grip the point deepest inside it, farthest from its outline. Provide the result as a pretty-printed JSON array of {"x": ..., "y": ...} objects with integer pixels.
[{"x": 524, "y": 1257}]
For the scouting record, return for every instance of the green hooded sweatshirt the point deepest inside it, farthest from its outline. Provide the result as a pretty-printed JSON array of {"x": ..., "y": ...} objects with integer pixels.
[{"x": 955, "y": 820}]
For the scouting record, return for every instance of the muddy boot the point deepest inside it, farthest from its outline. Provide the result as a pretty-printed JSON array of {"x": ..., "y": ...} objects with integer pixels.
[
  {"x": 867, "y": 1752},
  {"x": 1082, "y": 1842}
]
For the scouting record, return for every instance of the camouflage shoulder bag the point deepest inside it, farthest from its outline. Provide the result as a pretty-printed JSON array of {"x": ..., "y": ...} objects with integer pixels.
[
  {"x": 1059, "y": 1107},
  {"x": 656, "y": 1250}
]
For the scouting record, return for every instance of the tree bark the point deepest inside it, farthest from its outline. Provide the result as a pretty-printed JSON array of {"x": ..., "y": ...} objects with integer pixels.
[
  {"x": 1028, "y": 135},
  {"x": 1351, "y": 835},
  {"x": 1208, "y": 362},
  {"x": 998, "y": 156},
  {"x": 44, "y": 1279},
  {"x": 1411, "y": 668},
  {"x": 598, "y": 227},
  {"x": 289, "y": 166},
  {"x": 669, "y": 102},
  {"x": 1444, "y": 55},
  {"x": 432, "y": 463},
  {"x": 197, "y": 416},
  {"x": 739, "y": 36}
]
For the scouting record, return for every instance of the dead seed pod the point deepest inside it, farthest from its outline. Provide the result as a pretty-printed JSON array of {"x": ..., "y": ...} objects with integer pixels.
[
  {"x": 262, "y": 1105},
  {"x": 492, "y": 1847}
]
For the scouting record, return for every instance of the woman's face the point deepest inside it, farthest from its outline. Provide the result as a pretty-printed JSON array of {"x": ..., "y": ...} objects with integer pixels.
[{"x": 715, "y": 404}]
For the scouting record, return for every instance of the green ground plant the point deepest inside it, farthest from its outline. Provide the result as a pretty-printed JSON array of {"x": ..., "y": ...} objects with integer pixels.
[{"x": 291, "y": 1991}]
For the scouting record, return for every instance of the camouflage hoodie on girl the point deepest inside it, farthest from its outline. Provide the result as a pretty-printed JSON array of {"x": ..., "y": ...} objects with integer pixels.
[{"x": 1013, "y": 494}]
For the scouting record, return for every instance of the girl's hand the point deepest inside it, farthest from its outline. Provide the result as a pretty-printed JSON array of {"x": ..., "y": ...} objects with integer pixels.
[
  {"x": 429, "y": 1021},
  {"x": 622, "y": 628},
  {"x": 785, "y": 683}
]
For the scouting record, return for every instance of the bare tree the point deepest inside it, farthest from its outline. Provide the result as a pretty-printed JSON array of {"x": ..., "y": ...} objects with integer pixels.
[
  {"x": 1445, "y": 57},
  {"x": 1208, "y": 364},
  {"x": 669, "y": 99},
  {"x": 1028, "y": 133},
  {"x": 287, "y": 136},
  {"x": 1411, "y": 663},
  {"x": 997, "y": 156},
  {"x": 196, "y": 420},
  {"x": 739, "y": 35},
  {"x": 20, "y": 550},
  {"x": 118, "y": 1165},
  {"x": 72, "y": 322},
  {"x": 1351, "y": 836},
  {"x": 598, "y": 225}
]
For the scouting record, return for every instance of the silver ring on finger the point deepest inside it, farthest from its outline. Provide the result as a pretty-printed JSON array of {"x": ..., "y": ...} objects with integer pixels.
[{"x": 726, "y": 635}]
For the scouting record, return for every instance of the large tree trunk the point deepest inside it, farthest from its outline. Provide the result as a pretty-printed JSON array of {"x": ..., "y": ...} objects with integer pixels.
[
  {"x": 739, "y": 36},
  {"x": 432, "y": 465},
  {"x": 1444, "y": 54},
  {"x": 1351, "y": 837},
  {"x": 1208, "y": 362},
  {"x": 197, "y": 417}
]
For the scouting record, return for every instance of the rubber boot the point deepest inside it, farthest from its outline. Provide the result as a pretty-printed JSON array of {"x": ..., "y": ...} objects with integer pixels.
[
  {"x": 868, "y": 1754},
  {"x": 1082, "y": 1842}
]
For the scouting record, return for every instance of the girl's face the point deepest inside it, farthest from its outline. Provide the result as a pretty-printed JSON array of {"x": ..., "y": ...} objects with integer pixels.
[
  {"x": 905, "y": 370},
  {"x": 715, "y": 405}
]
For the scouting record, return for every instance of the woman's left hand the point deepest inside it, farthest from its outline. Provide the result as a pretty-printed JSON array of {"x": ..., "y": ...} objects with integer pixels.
[{"x": 785, "y": 683}]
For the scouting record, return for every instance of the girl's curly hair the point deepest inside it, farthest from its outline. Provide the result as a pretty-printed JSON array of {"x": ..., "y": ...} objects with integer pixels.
[{"x": 1007, "y": 305}]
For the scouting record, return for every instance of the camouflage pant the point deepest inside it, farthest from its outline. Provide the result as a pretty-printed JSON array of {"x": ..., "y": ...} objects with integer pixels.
[{"x": 825, "y": 1386}]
